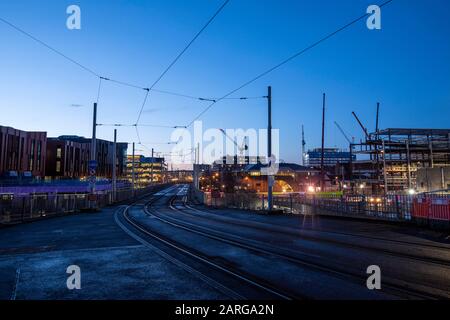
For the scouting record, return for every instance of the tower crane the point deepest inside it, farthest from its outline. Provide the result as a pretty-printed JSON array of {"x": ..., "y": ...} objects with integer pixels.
[
  {"x": 343, "y": 132},
  {"x": 241, "y": 148}
]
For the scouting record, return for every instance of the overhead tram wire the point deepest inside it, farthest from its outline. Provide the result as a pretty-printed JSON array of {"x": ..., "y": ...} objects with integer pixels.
[
  {"x": 292, "y": 57},
  {"x": 49, "y": 47},
  {"x": 140, "y": 125},
  {"x": 182, "y": 52},
  {"x": 119, "y": 82},
  {"x": 89, "y": 70}
]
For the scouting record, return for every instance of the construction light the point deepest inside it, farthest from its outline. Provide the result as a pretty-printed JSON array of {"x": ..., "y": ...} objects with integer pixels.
[
  {"x": 311, "y": 189},
  {"x": 411, "y": 192}
]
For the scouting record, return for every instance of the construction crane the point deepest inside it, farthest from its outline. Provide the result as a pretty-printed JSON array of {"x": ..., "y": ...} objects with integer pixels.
[
  {"x": 242, "y": 148},
  {"x": 343, "y": 132},
  {"x": 377, "y": 120},
  {"x": 361, "y": 125}
]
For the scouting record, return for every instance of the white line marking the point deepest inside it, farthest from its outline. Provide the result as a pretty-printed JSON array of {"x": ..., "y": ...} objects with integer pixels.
[{"x": 16, "y": 284}]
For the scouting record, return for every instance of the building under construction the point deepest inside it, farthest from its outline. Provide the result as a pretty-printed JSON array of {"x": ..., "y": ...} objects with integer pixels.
[{"x": 389, "y": 160}]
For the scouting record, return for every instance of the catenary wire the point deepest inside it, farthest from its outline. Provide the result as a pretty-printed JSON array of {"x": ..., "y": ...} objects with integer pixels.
[
  {"x": 182, "y": 52},
  {"x": 290, "y": 58}
]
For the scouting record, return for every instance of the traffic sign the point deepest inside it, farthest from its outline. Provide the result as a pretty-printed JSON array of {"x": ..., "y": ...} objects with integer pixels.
[{"x": 92, "y": 179}]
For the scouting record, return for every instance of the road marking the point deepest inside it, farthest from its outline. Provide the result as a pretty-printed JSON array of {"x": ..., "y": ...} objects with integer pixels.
[{"x": 16, "y": 284}]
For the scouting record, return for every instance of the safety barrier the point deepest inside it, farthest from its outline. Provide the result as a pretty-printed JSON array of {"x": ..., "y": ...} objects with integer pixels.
[
  {"x": 421, "y": 208},
  {"x": 433, "y": 210}
]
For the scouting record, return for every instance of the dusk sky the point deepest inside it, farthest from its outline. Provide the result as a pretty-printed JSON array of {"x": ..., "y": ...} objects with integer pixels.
[{"x": 405, "y": 66}]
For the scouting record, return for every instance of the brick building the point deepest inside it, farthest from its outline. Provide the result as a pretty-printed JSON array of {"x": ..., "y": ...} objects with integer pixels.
[
  {"x": 68, "y": 157},
  {"x": 22, "y": 153}
]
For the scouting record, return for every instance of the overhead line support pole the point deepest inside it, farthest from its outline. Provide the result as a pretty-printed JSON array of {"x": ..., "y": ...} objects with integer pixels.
[
  {"x": 322, "y": 156},
  {"x": 270, "y": 177}
]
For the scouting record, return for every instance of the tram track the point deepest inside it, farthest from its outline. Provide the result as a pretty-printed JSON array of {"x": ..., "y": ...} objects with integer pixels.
[
  {"x": 397, "y": 287},
  {"x": 297, "y": 233},
  {"x": 137, "y": 230},
  {"x": 271, "y": 290}
]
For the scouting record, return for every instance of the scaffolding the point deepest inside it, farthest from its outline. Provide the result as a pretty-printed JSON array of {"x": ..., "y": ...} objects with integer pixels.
[{"x": 391, "y": 157}]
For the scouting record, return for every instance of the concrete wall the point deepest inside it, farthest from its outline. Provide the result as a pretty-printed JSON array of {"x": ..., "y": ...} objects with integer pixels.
[{"x": 433, "y": 179}]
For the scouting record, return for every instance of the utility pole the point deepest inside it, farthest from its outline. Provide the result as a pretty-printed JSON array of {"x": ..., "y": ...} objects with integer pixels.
[
  {"x": 194, "y": 169},
  {"x": 93, "y": 162},
  {"x": 151, "y": 170},
  {"x": 94, "y": 133},
  {"x": 114, "y": 167},
  {"x": 132, "y": 171},
  {"x": 322, "y": 156},
  {"x": 303, "y": 145},
  {"x": 270, "y": 178}
]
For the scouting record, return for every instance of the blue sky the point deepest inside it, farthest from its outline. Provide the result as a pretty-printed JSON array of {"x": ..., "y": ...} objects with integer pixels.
[{"x": 405, "y": 66}]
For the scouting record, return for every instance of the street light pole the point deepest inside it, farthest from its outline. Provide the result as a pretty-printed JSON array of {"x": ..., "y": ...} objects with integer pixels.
[
  {"x": 132, "y": 171},
  {"x": 94, "y": 139},
  {"x": 322, "y": 154},
  {"x": 114, "y": 164},
  {"x": 92, "y": 162},
  {"x": 269, "y": 148},
  {"x": 151, "y": 172}
]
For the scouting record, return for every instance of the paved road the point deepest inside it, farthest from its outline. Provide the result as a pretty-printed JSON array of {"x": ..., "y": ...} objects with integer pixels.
[{"x": 162, "y": 247}]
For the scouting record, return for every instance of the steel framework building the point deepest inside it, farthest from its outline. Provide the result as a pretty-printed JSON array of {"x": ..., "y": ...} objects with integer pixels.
[{"x": 391, "y": 157}]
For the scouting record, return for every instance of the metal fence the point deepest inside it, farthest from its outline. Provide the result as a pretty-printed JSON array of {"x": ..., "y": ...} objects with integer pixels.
[
  {"x": 390, "y": 207},
  {"x": 245, "y": 201},
  {"x": 17, "y": 209},
  {"x": 395, "y": 207}
]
